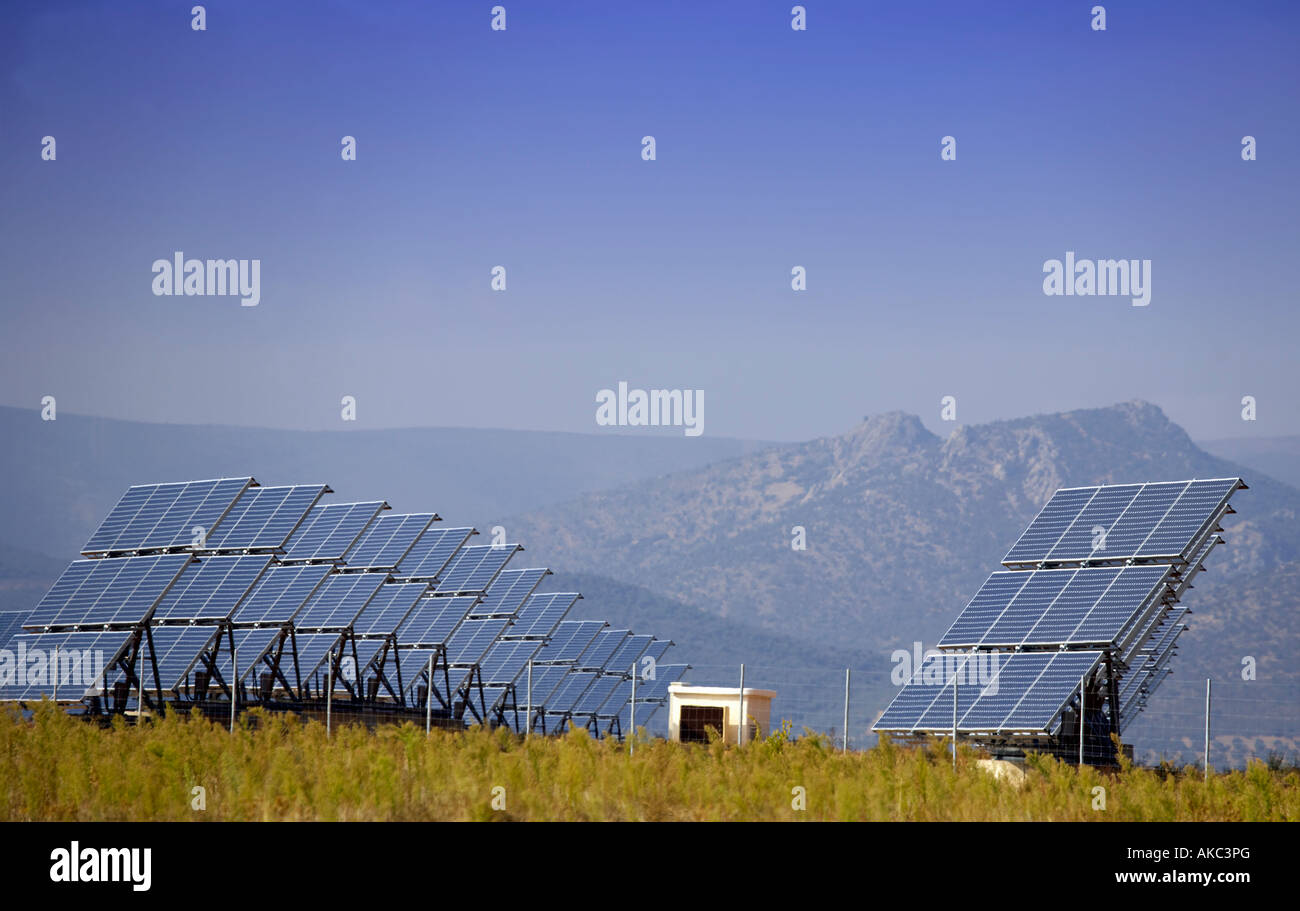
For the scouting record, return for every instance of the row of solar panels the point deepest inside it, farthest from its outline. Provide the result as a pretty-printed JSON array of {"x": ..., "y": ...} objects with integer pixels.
[
  {"x": 1091, "y": 592},
  {"x": 193, "y": 574}
]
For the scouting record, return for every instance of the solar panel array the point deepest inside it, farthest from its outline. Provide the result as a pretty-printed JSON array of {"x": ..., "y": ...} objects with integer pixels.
[
  {"x": 190, "y": 591},
  {"x": 1085, "y": 611}
]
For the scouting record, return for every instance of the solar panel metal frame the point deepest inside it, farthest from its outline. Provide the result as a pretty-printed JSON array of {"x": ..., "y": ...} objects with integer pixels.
[
  {"x": 542, "y": 615},
  {"x": 480, "y": 556},
  {"x": 1061, "y": 583},
  {"x": 338, "y": 537},
  {"x": 508, "y": 593},
  {"x": 102, "y": 575},
  {"x": 180, "y": 616},
  {"x": 426, "y": 556},
  {"x": 291, "y": 607},
  {"x": 1087, "y": 660},
  {"x": 181, "y": 538},
  {"x": 392, "y": 549},
  {"x": 1038, "y": 557},
  {"x": 218, "y": 539}
]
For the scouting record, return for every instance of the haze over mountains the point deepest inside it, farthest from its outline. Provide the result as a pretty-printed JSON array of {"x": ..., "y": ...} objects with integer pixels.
[{"x": 691, "y": 538}]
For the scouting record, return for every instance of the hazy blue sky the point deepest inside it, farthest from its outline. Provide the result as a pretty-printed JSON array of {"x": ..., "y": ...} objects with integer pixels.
[{"x": 775, "y": 148}]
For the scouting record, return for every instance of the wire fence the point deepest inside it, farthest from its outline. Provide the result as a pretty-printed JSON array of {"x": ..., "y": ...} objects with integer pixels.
[{"x": 1249, "y": 719}]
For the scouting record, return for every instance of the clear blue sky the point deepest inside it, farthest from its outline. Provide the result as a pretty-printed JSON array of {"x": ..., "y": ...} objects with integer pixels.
[{"x": 775, "y": 148}]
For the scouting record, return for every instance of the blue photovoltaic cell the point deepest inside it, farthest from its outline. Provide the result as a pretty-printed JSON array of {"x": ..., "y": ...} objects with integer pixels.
[
  {"x": 507, "y": 659},
  {"x": 1117, "y": 522},
  {"x": 606, "y": 644},
  {"x": 368, "y": 651},
  {"x": 430, "y": 555},
  {"x": 1056, "y": 606},
  {"x": 433, "y": 620},
  {"x": 541, "y": 615},
  {"x": 176, "y": 651},
  {"x": 313, "y": 651},
  {"x": 251, "y": 645},
  {"x": 388, "y": 608},
  {"x": 115, "y": 591},
  {"x": 279, "y": 594},
  {"x": 1187, "y": 517},
  {"x": 657, "y": 689},
  {"x": 338, "y": 602},
  {"x": 211, "y": 588},
  {"x": 546, "y": 679},
  {"x": 657, "y": 650},
  {"x": 329, "y": 531},
  {"x": 569, "y": 691},
  {"x": 264, "y": 517},
  {"x": 474, "y": 568},
  {"x": 83, "y": 657},
  {"x": 11, "y": 624},
  {"x": 571, "y": 639},
  {"x": 1026, "y": 694},
  {"x": 472, "y": 639},
  {"x": 628, "y": 653},
  {"x": 388, "y": 540},
  {"x": 156, "y": 516},
  {"x": 508, "y": 593},
  {"x": 601, "y": 691}
]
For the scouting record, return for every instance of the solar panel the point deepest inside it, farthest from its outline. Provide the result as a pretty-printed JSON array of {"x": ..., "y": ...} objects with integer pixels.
[
  {"x": 265, "y": 517},
  {"x": 313, "y": 651},
  {"x": 1026, "y": 695},
  {"x": 430, "y": 555},
  {"x": 508, "y": 593},
  {"x": 11, "y": 624},
  {"x": 627, "y": 654},
  {"x": 570, "y": 689},
  {"x": 601, "y": 691},
  {"x": 279, "y": 594},
  {"x": 433, "y": 620},
  {"x": 541, "y": 614},
  {"x": 388, "y": 608},
  {"x": 602, "y": 649},
  {"x": 546, "y": 679},
  {"x": 1114, "y": 523},
  {"x": 329, "y": 531},
  {"x": 83, "y": 657},
  {"x": 107, "y": 592},
  {"x": 388, "y": 540},
  {"x": 252, "y": 645},
  {"x": 338, "y": 601},
  {"x": 571, "y": 639},
  {"x": 1091, "y": 606},
  {"x": 473, "y": 569},
  {"x": 211, "y": 588},
  {"x": 508, "y": 659},
  {"x": 176, "y": 650},
  {"x": 472, "y": 639},
  {"x": 160, "y": 516}
]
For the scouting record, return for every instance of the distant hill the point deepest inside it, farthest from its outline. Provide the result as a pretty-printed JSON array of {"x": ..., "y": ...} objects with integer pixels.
[
  {"x": 1278, "y": 457},
  {"x": 903, "y": 527},
  {"x": 63, "y": 476}
]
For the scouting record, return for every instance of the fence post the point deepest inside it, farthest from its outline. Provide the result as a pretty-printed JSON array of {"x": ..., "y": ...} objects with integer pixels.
[
  {"x": 234, "y": 685},
  {"x": 329, "y": 692},
  {"x": 740, "y": 728},
  {"x": 56, "y": 674},
  {"x": 631, "y": 718},
  {"x": 528, "y": 714},
  {"x": 428, "y": 701},
  {"x": 846, "y": 710},
  {"x": 954, "y": 721},
  {"x": 1207, "y": 728},
  {"x": 139, "y": 679},
  {"x": 1083, "y": 710}
]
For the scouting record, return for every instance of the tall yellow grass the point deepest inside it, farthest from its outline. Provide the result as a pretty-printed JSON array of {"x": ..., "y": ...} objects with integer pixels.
[{"x": 55, "y": 767}]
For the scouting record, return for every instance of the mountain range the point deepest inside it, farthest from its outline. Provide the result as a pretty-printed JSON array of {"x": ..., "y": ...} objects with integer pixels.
[{"x": 691, "y": 539}]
